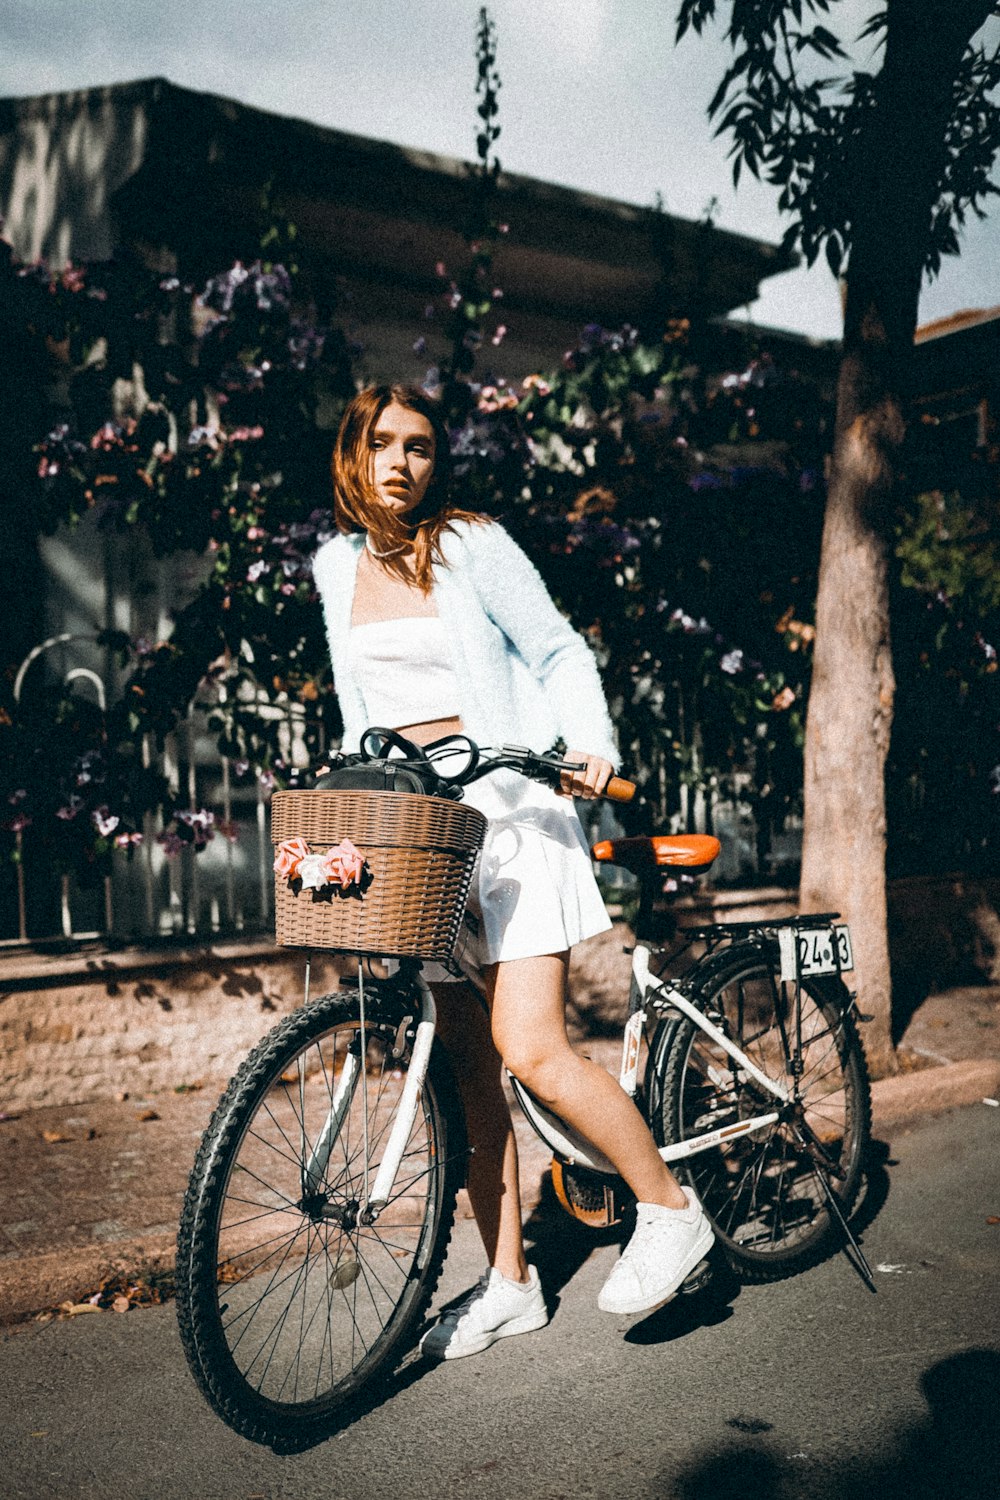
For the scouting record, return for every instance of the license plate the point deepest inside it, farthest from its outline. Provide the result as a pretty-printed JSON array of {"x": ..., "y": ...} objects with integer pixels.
[
  {"x": 810, "y": 951},
  {"x": 823, "y": 950}
]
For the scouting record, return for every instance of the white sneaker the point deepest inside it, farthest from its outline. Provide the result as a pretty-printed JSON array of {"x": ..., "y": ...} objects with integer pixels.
[
  {"x": 495, "y": 1309},
  {"x": 667, "y": 1245}
]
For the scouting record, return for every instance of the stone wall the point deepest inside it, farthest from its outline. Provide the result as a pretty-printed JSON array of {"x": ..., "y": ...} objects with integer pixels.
[{"x": 95, "y": 1024}]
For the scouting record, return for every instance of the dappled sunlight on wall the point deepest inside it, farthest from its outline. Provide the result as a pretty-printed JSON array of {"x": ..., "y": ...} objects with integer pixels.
[{"x": 60, "y": 171}]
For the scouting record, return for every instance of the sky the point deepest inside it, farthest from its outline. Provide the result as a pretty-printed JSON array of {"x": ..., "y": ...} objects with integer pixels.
[{"x": 595, "y": 96}]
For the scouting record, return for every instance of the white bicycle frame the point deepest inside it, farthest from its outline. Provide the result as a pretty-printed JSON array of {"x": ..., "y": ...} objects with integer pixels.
[
  {"x": 562, "y": 1139},
  {"x": 573, "y": 1148},
  {"x": 375, "y": 1194}
]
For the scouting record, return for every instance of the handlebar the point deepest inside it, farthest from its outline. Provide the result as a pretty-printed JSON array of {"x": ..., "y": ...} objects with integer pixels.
[
  {"x": 377, "y": 743},
  {"x": 549, "y": 770}
]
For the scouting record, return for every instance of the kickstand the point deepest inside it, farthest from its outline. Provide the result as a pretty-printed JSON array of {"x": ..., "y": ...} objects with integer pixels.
[{"x": 852, "y": 1249}]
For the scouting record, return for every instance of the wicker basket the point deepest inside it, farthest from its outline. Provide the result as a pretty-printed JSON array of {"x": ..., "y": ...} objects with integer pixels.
[{"x": 420, "y": 853}]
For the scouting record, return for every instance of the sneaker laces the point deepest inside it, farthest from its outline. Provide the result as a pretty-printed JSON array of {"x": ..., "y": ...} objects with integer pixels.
[{"x": 469, "y": 1302}]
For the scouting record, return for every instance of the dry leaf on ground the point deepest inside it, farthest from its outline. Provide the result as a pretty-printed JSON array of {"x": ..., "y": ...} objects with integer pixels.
[
  {"x": 55, "y": 1137},
  {"x": 120, "y": 1304},
  {"x": 71, "y": 1309},
  {"x": 149, "y": 1114}
]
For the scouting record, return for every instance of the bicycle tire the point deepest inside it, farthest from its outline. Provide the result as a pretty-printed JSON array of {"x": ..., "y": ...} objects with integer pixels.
[
  {"x": 288, "y": 1303},
  {"x": 762, "y": 1191}
]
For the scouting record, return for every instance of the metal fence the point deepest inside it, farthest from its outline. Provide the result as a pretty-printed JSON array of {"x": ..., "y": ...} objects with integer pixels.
[{"x": 224, "y": 886}]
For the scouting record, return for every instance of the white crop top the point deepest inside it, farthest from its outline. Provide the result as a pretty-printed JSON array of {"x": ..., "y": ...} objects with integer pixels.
[{"x": 405, "y": 671}]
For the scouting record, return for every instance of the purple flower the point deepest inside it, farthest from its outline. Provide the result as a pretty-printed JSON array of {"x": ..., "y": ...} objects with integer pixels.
[
  {"x": 420, "y": 346},
  {"x": 88, "y": 768},
  {"x": 196, "y": 818},
  {"x": 689, "y": 625},
  {"x": 104, "y": 821},
  {"x": 272, "y": 288},
  {"x": 220, "y": 292},
  {"x": 257, "y": 570}
]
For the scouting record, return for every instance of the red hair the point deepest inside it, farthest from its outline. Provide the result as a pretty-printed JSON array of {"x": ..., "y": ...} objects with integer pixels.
[{"x": 413, "y": 542}]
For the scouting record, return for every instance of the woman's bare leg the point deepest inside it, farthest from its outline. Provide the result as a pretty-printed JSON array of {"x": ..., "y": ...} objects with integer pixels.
[
  {"x": 528, "y": 1001},
  {"x": 494, "y": 1189}
]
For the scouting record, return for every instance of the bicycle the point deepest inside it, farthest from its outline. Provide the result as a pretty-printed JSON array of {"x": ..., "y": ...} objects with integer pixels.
[{"x": 323, "y": 1193}]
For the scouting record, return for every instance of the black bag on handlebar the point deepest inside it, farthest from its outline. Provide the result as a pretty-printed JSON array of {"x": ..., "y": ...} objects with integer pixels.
[
  {"x": 368, "y": 771},
  {"x": 352, "y": 774}
]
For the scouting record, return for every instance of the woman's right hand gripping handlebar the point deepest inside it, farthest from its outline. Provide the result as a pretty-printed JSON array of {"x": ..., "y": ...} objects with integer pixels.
[{"x": 593, "y": 777}]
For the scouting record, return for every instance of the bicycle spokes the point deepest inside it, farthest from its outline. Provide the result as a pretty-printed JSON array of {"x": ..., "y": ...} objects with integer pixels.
[
  {"x": 308, "y": 1278},
  {"x": 770, "y": 1184}
]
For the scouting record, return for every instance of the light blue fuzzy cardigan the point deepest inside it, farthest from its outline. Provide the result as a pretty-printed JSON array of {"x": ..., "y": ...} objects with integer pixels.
[{"x": 524, "y": 675}]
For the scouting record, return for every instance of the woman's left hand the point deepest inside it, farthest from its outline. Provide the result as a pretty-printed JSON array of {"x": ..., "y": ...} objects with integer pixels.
[{"x": 591, "y": 781}]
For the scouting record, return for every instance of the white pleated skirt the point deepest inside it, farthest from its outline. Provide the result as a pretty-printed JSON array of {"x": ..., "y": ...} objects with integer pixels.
[{"x": 533, "y": 889}]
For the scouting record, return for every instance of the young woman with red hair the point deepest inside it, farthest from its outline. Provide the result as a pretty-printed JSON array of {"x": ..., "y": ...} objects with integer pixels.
[{"x": 438, "y": 624}]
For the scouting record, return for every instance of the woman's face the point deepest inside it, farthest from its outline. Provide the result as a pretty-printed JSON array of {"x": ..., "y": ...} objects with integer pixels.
[{"x": 402, "y": 457}]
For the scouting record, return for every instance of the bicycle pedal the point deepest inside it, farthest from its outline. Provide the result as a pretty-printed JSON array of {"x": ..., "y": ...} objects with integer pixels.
[{"x": 695, "y": 1280}]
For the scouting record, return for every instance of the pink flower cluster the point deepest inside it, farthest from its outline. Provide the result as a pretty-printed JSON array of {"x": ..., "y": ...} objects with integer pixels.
[{"x": 342, "y": 865}]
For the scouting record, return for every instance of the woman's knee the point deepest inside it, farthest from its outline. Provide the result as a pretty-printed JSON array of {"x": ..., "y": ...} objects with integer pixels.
[{"x": 542, "y": 1070}]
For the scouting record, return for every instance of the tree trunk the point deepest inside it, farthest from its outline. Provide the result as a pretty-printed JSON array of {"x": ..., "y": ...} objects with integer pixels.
[
  {"x": 850, "y": 712},
  {"x": 849, "y": 719}
]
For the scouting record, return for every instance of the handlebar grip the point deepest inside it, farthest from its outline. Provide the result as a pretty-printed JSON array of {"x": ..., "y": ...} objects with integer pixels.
[{"x": 620, "y": 790}]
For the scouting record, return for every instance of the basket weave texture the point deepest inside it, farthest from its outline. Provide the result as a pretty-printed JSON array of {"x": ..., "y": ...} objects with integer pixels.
[{"x": 420, "y": 852}]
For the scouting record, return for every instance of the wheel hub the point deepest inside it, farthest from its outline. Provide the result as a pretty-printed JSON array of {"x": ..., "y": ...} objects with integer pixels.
[{"x": 318, "y": 1207}]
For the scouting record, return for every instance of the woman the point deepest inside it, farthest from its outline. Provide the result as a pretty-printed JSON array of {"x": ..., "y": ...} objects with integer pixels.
[{"x": 439, "y": 624}]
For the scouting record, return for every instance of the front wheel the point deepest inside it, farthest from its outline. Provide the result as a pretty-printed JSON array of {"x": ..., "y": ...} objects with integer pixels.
[
  {"x": 764, "y": 1191},
  {"x": 291, "y": 1293}
]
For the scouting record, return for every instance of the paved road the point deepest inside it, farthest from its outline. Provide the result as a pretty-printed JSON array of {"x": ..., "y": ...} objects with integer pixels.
[{"x": 806, "y": 1390}]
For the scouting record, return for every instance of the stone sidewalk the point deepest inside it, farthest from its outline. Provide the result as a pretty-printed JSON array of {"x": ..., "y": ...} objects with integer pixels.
[{"x": 91, "y": 1193}]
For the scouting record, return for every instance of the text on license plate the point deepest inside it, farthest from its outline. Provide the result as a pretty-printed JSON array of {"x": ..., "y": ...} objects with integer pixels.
[{"x": 823, "y": 950}]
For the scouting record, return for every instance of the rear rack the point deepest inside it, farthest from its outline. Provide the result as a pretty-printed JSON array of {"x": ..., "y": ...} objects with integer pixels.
[{"x": 766, "y": 927}]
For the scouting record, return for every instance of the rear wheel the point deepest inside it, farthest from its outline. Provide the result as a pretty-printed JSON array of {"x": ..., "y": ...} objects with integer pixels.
[
  {"x": 291, "y": 1294},
  {"x": 764, "y": 1191}
]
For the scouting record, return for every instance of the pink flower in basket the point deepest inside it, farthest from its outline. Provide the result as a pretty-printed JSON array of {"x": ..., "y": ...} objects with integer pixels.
[
  {"x": 288, "y": 856},
  {"x": 344, "y": 865}
]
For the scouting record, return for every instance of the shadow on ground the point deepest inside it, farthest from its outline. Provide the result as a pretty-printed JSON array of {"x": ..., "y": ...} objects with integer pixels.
[{"x": 954, "y": 1451}]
